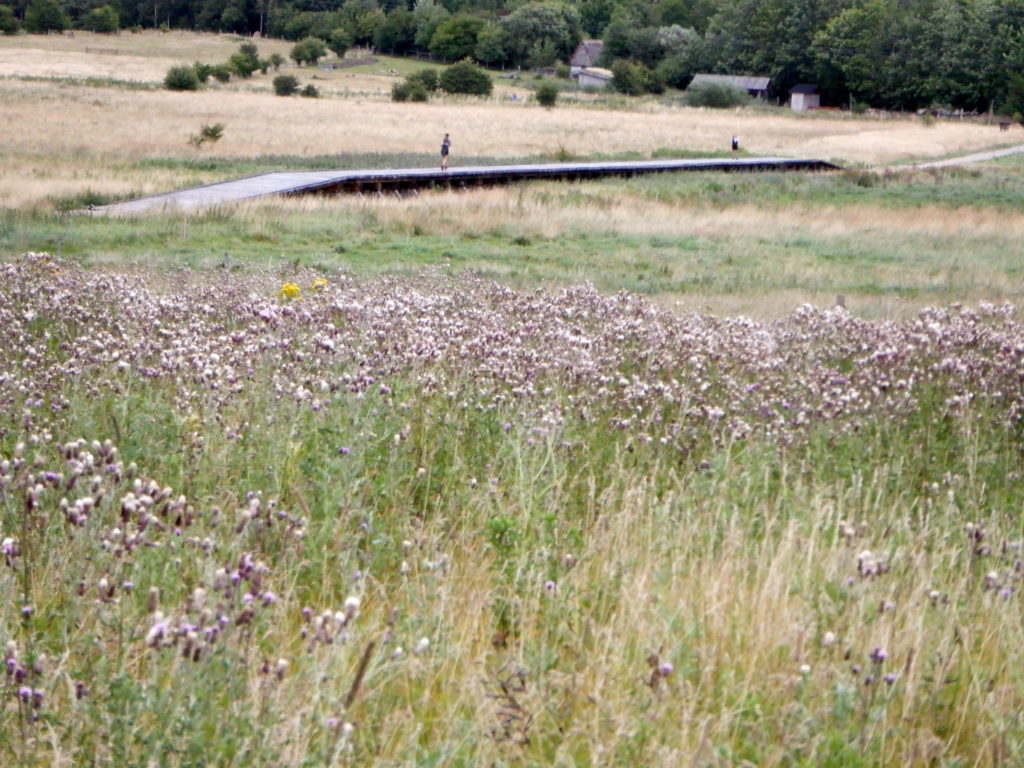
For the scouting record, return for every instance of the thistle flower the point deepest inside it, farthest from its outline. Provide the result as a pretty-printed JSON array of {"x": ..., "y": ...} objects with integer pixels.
[{"x": 351, "y": 607}]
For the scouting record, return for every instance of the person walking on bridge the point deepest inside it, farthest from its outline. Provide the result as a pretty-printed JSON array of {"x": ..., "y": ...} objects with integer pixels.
[{"x": 446, "y": 144}]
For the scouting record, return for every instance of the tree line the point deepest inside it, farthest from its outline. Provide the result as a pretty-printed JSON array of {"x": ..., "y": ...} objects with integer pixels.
[{"x": 893, "y": 54}]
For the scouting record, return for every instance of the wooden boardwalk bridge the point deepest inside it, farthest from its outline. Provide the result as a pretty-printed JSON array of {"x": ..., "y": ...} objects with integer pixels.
[{"x": 400, "y": 181}]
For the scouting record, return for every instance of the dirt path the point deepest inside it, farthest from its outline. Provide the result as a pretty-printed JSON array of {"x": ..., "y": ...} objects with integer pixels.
[{"x": 977, "y": 157}]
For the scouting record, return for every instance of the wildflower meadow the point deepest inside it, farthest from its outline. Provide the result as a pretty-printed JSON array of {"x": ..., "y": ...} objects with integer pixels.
[{"x": 287, "y": 517}]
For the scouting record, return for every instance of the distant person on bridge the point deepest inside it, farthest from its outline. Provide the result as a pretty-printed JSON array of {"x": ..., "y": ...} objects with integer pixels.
[
  {"x": 446, "y": 144},
  {"x": 735, "y": 144}
]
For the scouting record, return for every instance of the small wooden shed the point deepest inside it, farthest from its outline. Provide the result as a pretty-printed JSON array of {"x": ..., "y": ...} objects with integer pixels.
[{"x": 803, "y": 97}]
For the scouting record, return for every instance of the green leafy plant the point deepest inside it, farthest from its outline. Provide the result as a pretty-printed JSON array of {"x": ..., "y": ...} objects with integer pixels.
[{"x": 207, "y": 134}]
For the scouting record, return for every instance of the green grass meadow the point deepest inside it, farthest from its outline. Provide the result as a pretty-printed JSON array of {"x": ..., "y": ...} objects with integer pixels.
[{"x": 589, "y": 474}]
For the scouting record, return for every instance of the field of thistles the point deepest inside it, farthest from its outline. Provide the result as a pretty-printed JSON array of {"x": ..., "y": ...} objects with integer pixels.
[{"x": 289, "y": 517}]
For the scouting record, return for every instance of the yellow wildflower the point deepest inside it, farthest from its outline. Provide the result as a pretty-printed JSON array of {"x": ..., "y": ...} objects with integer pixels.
[
  {"x": 319, "y": 284},
  {"x": 289, "y": 291}
]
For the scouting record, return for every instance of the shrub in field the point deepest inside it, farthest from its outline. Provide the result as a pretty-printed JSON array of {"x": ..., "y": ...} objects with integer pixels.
[
  {"x": 9, "y": 24},
  {"x": 547, "y": 94},
  {"x": 245, "y": 61},
  {"x": 207, "y": 134},
  {"x": 285, "y": 85},
  {"x": 276, "y": 60},
  {"x": 409, "y": 91},
  {"x": 466, "y": 78},
  {"x": 181, "y": 77},
  {"x": 221, "y": 72},
  {"x": 716, "y": 95},
  {"x": 45, "y": 16},
  {"x": 310, "y": 91},
  {"x": 634, "y": 79},
  {"x": 309, "y": 51},
  {"x": 203, "y": 71},
  {"x": 426, "y": 77}
]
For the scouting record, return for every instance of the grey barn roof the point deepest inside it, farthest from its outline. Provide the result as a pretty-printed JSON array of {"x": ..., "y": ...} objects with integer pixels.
[
  {"x": 586, "y": 53},
  {"x": 737, "y": 81}
]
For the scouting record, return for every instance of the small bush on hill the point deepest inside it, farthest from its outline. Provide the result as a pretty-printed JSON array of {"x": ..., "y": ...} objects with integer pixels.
[
  {"x": 717, "y": 95},
  {"x": 245, "y": 61},
  {"x": 409, "y": 90},
  {"x": 203, "y": 71},
  {"x": 221, "y": 72},
  {"x": 207, "y": 133},
  {"x": 547, "y": 94},
  {"x": 465, "y": 77},
  {"x": 181, "y": 77},
  {"x": 309, "y": 51},
  {"x": 310, "y": 92},
  {"x": 286, "y": 85},
  {"x": 425, "y": 77}
]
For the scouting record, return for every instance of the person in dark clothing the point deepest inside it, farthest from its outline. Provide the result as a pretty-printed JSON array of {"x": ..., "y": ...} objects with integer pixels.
[
  {"x": 735, "y": 144},
  {"x": 446, "y": 144}
]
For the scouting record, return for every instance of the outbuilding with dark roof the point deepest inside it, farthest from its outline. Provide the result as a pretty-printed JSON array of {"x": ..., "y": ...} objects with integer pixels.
[{"x": 586, "y": 55}]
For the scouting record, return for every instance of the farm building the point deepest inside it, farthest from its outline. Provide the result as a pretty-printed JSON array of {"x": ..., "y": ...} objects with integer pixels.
[
  {"x": 755, "y": 86},
  {"x": 585, "y": 55},
  {"x": 594, "y": 77},
  {"x": 804, "y": 97}
]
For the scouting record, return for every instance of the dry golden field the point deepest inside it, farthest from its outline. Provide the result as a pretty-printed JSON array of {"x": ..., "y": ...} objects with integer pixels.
[{"x": 60, "y": 136}]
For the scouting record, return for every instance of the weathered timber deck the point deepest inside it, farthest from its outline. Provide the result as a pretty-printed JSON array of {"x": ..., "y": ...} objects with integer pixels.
[{"x": 405, "y": 179}]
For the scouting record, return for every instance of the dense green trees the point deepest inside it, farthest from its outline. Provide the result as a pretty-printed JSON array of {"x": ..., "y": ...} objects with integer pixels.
[
  {"x": 8, "y": 22},
  {"x": 901, "y": 54},
  {"x": 46, "y": 16}
]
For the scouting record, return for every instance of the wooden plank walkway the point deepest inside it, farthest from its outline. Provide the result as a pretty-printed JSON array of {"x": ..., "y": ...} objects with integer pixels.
[{"x": 407, "y": 179}]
